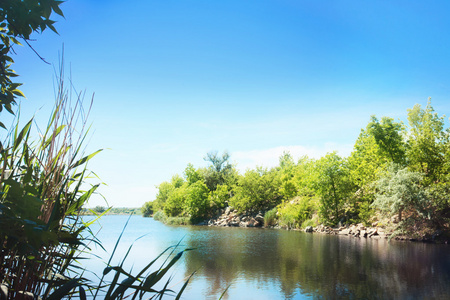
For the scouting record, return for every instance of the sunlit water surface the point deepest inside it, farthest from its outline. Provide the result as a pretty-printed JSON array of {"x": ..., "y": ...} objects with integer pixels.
[{"x": 278, "y": 264}]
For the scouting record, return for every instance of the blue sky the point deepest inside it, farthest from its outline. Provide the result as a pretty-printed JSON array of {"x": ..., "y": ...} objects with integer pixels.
[{"x": 176, "y": 79}]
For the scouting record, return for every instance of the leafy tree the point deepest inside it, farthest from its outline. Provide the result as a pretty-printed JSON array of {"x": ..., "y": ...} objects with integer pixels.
[
  {"x": 389, "y": 137},
  {"x": 428, "y": 143},
  {"x": 197, "y": 201},
  {"x": 147, "y": 209},
  {"x": 220, "y": 168},
  {"x": 165, "y": 189},
  {"x": 304, "y": 177},
  {"x": 18, "y": 20},
  {"x": 366, "y": 163},
  {"x": 399, "y": 190},
  {"x": 175, "y": 203},
  {"x": 177, "y": 181},
  {"x": 256, "y": 190},
  {"x": 286, "y": 173},
  {"x": 192, "y": 175},
  {"x": 220, "y": 197},
  {"x": 333, "y": 185}
]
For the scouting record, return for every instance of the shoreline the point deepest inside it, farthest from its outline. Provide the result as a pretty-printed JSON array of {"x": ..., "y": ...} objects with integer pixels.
[{"x": 231, "y": 218}]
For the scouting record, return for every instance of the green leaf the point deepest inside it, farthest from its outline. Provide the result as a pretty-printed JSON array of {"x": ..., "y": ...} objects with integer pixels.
[
  {"x": 64, "y": 290},
  {"x": 56, "y": 9},
  {"x": 21, "y": 135},
  {"x": 84, "y": 159},
  {"x": 18, "y": 93}
]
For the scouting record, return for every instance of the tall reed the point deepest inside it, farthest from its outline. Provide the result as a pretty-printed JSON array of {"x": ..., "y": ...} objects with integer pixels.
[{"x": 42, "y": 190}]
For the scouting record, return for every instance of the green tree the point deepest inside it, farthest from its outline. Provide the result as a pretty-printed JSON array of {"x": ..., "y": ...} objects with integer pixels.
[
  {"x": 147, "y": 209},
  {"x": 198, "y": 201},
  {"x": 389, "y": 137},
  {"x": 286, "y": 172},
  {"x": 165, "y": 189},
  {"x": 192, "y": 175},
  {"x": 333, "y": 185},
  {"x": 18, "y": 20},
  {"x": 428, "y": 143},
  {"x": 256, "y": 190},
  {"x": 175, "y": 203}
]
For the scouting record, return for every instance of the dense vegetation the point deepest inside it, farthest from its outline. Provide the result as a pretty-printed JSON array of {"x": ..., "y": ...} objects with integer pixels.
[{"x": 396, "y": 173}]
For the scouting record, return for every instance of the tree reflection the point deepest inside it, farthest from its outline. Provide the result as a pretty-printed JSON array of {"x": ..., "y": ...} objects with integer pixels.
[{"x": 322, "y": 266}]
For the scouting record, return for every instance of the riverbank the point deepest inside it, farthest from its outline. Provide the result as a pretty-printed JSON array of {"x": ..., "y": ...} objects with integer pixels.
[{"x": 231, "y": 218}]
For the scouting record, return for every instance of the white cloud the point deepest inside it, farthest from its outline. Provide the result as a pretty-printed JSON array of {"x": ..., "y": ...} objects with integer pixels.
[{"x": 270, "y": 157}]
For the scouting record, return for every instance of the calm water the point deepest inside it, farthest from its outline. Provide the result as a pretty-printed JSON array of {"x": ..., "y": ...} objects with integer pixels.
[{"x": 280, "y": 264}]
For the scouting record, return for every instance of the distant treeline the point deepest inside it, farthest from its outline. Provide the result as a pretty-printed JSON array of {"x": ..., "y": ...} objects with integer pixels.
[
  {"x": 112, "y": 210},
  {"x": 397, "y": 174}
]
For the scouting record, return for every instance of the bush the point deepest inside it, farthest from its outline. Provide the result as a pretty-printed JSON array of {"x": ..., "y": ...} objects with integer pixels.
[
  {"x": 292, "y": 214},
  {"x": 160, "y": 216},
  {"x": 147, "y": 209},
  {"x": 270, "y": 217}
]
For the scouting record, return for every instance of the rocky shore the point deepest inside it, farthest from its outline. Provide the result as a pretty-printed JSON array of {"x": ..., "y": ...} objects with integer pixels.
[{"x": 231, "y": 218}]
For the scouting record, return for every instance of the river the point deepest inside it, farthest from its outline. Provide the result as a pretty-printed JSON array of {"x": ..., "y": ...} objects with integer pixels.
[{"x": 278, "y": 264}]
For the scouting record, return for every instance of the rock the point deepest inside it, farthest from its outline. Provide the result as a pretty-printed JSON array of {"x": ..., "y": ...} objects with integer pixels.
[
  {"x": 363, "y": 233},
  {"x": 227, "y": 211},
  {"x": 309, "y": 229},
  {"x": 372, "y": 232},
  {"x": 234, "y": 223},
  {"x": 259, "y": 218},
  {"x": 251, "y": 223},
  {"x": 344, "y": 232}
]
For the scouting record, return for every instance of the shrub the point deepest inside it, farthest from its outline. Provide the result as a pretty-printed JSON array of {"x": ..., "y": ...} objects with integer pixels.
[
  {"x": 292, "y": 214},
  {"x": 160, "y": 216},
  {"x": 270, "y": 217},
  {"x": 147, "y": 209}
]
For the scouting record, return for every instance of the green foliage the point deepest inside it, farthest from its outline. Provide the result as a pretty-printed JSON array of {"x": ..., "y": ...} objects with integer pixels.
[
  {"x": 147, "y": 209},
  {"x": 400, "y": 191},
  {"x": 165, "y": 189},
  {"x": 192, "y": 175},
  {"x": 160, "y": 216},
  {"x": 175, "y": 203},
  {"x": 270, "y": 217},
  {"x": 197, "y": 201},
  {"x": 220, "y": 197},
  {"x": 293, "y": 213},
  {"x": 40, "y": 201},
  {"x": 389, "y": 137},
  {"x": 256, "y": 190},
  {"x": 427, "y": 143},
  {"x": 288, "y": 188},
  {"x": 333, "y": 186},
  {"x": 19, "y": 19},
  {"x": 313, "y": 222},
  {"x": 332, "y": 189}
]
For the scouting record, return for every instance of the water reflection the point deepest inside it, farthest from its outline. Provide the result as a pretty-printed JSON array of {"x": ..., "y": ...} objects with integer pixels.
[
  {"x": 320, "y": 266},
  {"x": 278, "y": 264}
]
